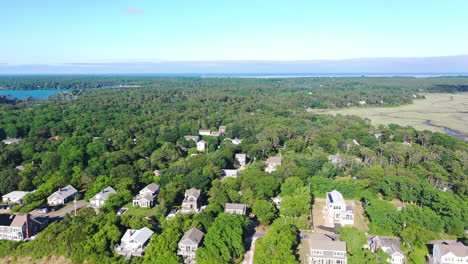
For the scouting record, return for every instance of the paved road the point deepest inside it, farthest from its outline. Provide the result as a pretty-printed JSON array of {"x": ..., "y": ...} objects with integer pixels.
[{"x": 70, "y": 207}]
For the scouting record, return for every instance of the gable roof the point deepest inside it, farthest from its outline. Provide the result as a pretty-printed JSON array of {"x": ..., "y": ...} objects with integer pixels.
[
  {"x": 152, "y": 187},
  {"x": 140, "y": 236},
  {"x": 193, "y": 236},
  {"x": 202, "y": 142},
  {"x": 193, "y": 192},
  {"x": 324, "y": 242},
  {"x": 105, "y": 193},
  {"x": 274, "y": 160},
  {"x": 14, "y": 220},
  {"x": 233, "y": 206},
  {"x": 389, "y": 242},
  {"x": 335, "y": 197},
  {"x": 459, "y": 249},
  {"x": 65, "y": 191}
]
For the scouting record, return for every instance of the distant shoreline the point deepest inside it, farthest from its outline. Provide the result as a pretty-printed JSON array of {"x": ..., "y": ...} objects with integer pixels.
[{"x": 257, "y": 75}]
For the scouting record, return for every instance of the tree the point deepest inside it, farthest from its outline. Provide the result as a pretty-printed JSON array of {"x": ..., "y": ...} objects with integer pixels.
[
  {"x": 290, "y": 186},
  {"x": 278, "y": 246},
  {"x": 224, "y": 241},
  {"x": 265, "y": 211}
]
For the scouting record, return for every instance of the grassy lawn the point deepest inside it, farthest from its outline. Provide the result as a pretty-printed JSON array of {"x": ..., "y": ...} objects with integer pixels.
[
  {"x": 447, "y": 110},
  {"x": 418, "y": 256},
  {"x": 139, "y": 211}
]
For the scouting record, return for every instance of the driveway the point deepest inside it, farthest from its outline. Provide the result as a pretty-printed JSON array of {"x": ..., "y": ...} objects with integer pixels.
[
  {"x": 248, "y": 257},
  {"x": 70, "y": 207}
]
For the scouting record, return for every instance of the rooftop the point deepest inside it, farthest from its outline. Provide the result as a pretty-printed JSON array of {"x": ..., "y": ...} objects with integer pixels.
[
  {"x": 335, "y": 197},
  {"x": 193, "y": 192},
  {"x": 194, "y": 235},
  {"x": 66, "y": 191}
]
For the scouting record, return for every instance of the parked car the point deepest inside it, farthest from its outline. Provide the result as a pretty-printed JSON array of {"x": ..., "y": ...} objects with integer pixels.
[
  {"x": 122, "y": 211},
  {"x": 9, "y": 207},
  {"x": 43, "y": 210}
]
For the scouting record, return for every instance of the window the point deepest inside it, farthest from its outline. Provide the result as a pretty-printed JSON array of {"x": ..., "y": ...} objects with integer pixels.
[{"x": 317, "y": 252}]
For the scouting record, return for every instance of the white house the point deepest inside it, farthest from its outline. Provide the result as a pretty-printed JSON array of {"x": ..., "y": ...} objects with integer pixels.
[
  {"x": 240, "y": 159},
  {"x": 14, "y": 197},
  {"x": 146, "y": 196},
  {"x": 134, "y": 242},
  {"x": 450, "y": 254},
  {"x": 100, "y": 198},
  {"x": 389, "y": 245},
  {"x": 233, "y": 208},
  {"x": 202, "y": 145},
  {"x": 204, "y": 132},
  {"x": 62, "y": 196},
  {"x": 9, "y": 141},
  {"x": 325, "y": 250},
  {"x": 189, "y": 244},
  {"x": 225, "y": 173},
  {"x": 15, "y": 227},
  {"x": 337, "y": 210}
]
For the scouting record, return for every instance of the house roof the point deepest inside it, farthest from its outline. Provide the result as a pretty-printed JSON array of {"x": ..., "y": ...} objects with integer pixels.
[
  {"x": 152, "y": 187},
  {"x": 276, "y": 160},
  {"x": 20, "y": 168},
  {"x": 194, "y": 235},
  {"x": 65, "y": 191},
  {"x": 140, "y": 236},
  {"x": 191, "y": 138},
  {"x": 202, "y": 141},
  {"x": 14, "y": 220},
  {"x": 458, "y": 249},
  {"x": 15, "y": 194},
  {"x": 388, "y": 242},
  {"x": 193, "y": 192},
  {"x": 324, "y": 242},
  {"x": 335, "y": 197},
  {"x": 233, "y": 206},
  {"x": 106, "y": 192},
  {"x": 240, "y": 156},
  {"x": 204, "y": 131}
]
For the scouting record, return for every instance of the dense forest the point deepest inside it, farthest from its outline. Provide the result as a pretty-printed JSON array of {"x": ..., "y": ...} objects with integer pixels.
[{"x": 118, "y": 137}]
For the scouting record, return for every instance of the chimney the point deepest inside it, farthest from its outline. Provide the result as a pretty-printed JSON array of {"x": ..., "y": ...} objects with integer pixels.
[{"x": 28, "y": 226}]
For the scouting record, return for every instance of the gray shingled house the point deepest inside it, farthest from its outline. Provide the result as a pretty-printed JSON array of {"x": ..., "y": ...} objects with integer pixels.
[
  {"x": 233, "y": 208},
  {"x": 62, "y": 196},
  {"x": 146, "y": 196},
  {"x": 189, "y": 244},
  {"x": 190, "y": 202},
  {"x": 324, "y": 249}
]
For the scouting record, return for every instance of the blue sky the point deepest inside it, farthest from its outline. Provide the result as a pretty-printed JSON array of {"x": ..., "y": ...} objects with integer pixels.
[{"x": 62, "y": 31}]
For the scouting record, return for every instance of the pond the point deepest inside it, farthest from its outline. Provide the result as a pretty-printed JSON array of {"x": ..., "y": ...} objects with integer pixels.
[{"x": 36, "y": 94}]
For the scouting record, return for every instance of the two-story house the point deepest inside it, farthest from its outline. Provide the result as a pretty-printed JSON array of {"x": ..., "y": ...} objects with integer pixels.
[
  {"x": 62, "y": 196},
  {"x": 202, "y": 145},
  {"x": 337, "y": 210},
  {"x": 233, "y": 208},
  {"x": 100, "y": 198},
  {"x": 240, "y": 159},
  {"x": 389, "y": 245},
  {"x": 146, "y": 196},
  {"x": 189, "y": 244},
  {"x": 134, "y": 242},
  {"x": 190, "y": 202},
  {"x": 325, "y": 250},
  {"x": 456, "y": 253},
  {"x": 15, "y": 227}
]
